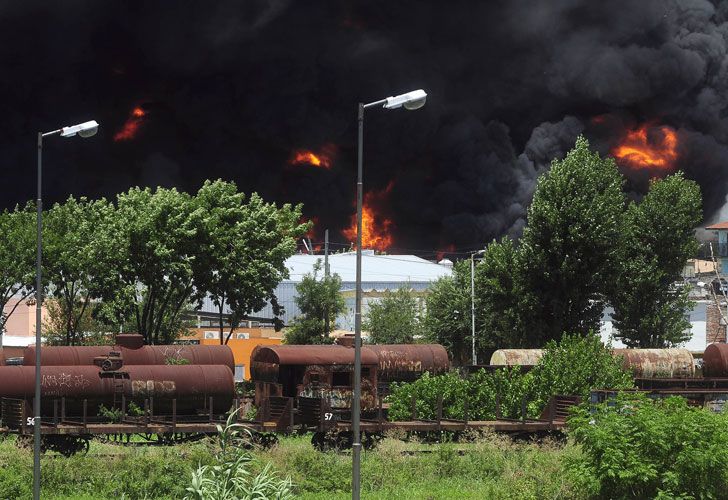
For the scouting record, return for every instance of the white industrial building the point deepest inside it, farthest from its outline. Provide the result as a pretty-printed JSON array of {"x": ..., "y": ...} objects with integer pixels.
[{"x": 379, "y": 273}]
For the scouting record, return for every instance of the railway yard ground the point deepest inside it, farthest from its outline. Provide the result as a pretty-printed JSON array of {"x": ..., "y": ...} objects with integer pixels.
[{"x": 490, "y": 466}]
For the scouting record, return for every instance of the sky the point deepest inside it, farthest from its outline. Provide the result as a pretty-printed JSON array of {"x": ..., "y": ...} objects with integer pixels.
[{"x": 265, "y": 93}]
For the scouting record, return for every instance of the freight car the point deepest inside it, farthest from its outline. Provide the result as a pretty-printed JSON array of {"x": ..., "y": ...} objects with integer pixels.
[
  {"x": 132, "y": 351},
  {"x": 326, "y": 371},
  {"x": 644, "y": 363}
]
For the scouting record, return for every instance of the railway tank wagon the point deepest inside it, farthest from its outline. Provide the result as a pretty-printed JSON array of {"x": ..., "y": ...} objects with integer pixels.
[
  {"x": 132, "y": 351},
  {"x": 407, "y": 362}
]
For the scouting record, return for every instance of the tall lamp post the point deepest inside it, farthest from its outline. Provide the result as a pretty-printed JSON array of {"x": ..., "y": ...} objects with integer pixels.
[
  {"x": 411, "y": 100},
  {"x": 472, "y": 300},
  {"x": 86, "y": 129}
]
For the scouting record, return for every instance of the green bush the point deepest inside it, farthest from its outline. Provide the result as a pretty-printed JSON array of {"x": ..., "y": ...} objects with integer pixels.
[
  {"x": 480, "y": 390},
  {"x": 638, "y": 448},
  {"x": 572, "y": 366}
]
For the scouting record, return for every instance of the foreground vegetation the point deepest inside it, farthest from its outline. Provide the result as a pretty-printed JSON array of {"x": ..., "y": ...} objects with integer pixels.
[
  {"x": 490, "y": 467},
  {"x": 631, "y": 447}
]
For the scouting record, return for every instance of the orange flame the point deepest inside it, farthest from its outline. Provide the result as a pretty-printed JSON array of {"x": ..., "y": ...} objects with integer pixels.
[
  {"x": 375, "y": 228},
  {"x": 131, "y": 125},
  {"x": 322, "y": 159},
  {"x": 448, "y": 249},
  {"x": 656, "y": 151}
]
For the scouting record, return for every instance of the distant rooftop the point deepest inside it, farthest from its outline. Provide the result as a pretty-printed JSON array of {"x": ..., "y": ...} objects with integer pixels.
[
  {"x": 719, "y": 225},
  {"x": 374, "y": 268}
]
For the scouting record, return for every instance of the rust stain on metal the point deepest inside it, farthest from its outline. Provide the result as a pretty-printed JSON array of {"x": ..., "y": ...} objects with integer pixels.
[
  {"x": 715, "y": 360},
  {"x": 516, "y": 357},
  {"x": 658, "y": 363}
]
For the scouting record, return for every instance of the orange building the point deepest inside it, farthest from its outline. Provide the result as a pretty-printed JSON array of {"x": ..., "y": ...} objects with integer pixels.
[{"x": 242, "y": 342}]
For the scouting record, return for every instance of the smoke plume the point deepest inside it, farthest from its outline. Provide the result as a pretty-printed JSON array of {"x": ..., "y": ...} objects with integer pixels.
[{"x": 234, "y": 89}]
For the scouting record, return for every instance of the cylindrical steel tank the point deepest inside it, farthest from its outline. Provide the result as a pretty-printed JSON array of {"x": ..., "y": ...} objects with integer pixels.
[
  {"x": 144, "y": 355},
  {"x": 516, "y": 357},
  {"x": 407, "y": 362},
  {"x": 715, "y": 360},
  {"x": 190, "y": 385},
  {"x": 658, "y": 363}
]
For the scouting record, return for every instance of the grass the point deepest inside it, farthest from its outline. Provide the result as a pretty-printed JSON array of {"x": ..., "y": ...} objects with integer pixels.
[{"x": 490, "y": 467}]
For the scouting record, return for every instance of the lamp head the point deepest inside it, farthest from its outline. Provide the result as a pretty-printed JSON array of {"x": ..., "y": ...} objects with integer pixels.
[
  {"x": 411, "y": 100},
  {"x": 85, "y": 129}
]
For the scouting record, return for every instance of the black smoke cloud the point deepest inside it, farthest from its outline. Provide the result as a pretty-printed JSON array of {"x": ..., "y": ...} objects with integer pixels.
[{"x": 231, "y": 88}]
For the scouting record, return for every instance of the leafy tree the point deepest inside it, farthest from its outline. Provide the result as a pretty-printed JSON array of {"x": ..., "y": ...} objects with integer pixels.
[
  {"x": 395, "y": 319},
  {"x": 657, "y": 240},
  {"x": 448, "y": 319},
  {"x": 89, "y": 330},
  {"x": 76, "y": 272},
  {"x": 316, "y": 298},
  {"x": 569, "y": 245},
  {"x": 244, "y": 246},
  {"x": 498, "y": 300},
  {"x": 17, "y": 259},
  {"x": 155, "y": 237}
]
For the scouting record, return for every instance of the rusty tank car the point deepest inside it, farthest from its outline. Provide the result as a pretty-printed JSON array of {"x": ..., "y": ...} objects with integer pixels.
[
  {"x": 715, "y": 360},
  {"x": 312, "y": 371},
  {"x": 192, "y": 386},
  {"x": 516, "y": 357},
  {"x": 658, "y": 363},
  {"x": 133, "y": 352},
  {"x": 407, "y": 362}
]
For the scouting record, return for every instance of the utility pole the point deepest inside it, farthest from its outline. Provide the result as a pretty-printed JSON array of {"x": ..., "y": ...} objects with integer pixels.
[{"x": 326, "y": 275}]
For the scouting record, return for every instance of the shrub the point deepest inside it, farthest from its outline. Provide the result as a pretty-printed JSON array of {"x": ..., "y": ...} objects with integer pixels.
[
  {"x": 230, "y": 477},
  {"x": 638, "y": 448},
  {"x": 574, "y": 366}
]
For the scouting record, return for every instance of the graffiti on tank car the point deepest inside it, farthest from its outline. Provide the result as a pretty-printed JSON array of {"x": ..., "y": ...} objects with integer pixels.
[{"x": 145, "y": 388}]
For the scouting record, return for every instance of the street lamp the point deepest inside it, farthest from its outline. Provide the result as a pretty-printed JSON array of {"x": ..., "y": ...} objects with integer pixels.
[
  {"x": 85, "y": 129},
  {"x": 472, "y": 299},
  {"x": 411, "y": 100}
]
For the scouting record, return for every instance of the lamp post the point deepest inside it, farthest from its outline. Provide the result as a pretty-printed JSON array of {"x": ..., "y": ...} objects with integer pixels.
[
  {"x": 86, "y": 129},
  {"x": 472, "y": 300},
  {"x": 411, "y": 100}
]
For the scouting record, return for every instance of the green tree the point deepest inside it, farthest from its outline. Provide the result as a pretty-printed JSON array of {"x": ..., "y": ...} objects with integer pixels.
[
  {"x": 17, "y": 259},
  {"x": 155, "y": 238},
  {"x": 395, "y": 319},
  {"x": 244, "y": 246},
  {"x": 448, "y": 319},
  {"x": 569, "y": 244},
  {"x": 76, "y": 272},
  {"x": 316, "y": 298},
  {"x": 498, "y": 297},
  {"x": 657, "y": 239},
  {"x": 89, "y": 330}
]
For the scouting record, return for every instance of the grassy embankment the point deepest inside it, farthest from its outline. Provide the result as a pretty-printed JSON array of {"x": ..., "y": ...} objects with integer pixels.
[{"x": 491, "y": 467}]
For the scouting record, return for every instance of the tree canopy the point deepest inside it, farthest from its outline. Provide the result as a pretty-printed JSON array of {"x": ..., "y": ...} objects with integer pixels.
[
  {"x": 584, "y": 246},
  {"x": 317, "y": 298},
  {"x": 395, "y": 318}
]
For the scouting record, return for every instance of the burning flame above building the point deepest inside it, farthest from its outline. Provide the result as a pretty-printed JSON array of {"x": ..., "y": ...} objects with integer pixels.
[
  {"x": 376, "y": 230},
  {"x": 131, "y": 126},
  {"x": 648, "y": 148},
  {"x": 323, "y": 159}
]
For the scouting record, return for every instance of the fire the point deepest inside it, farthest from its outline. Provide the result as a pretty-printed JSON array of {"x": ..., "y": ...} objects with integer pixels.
[
  {"x": 322, "y": 159},
  {"x": 649, "y": 147},
  {"x": 448, "y": 249},
  {"x": 131, "y": 125},
  {"x": 375, "y": 228}
]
